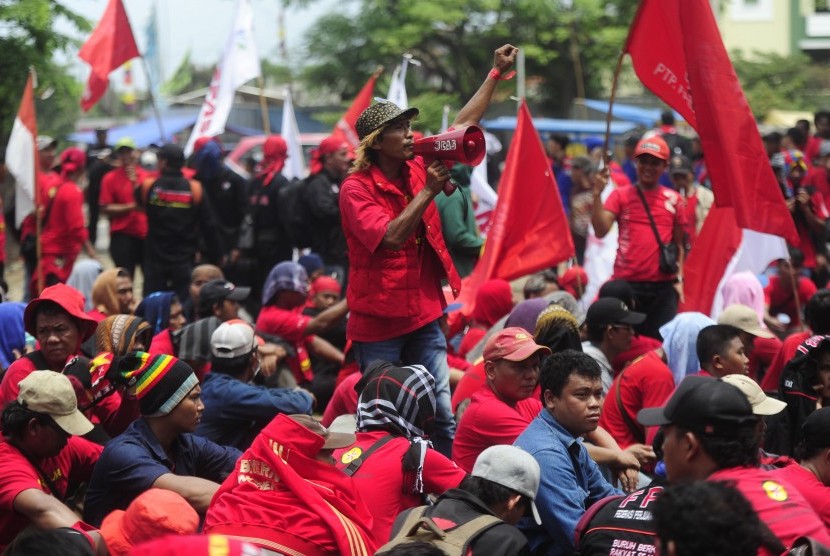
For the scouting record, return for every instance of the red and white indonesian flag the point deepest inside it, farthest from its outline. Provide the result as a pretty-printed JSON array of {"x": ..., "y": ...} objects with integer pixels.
[
  {"x": 295, "y": 165},
  {"x": 678, "y": 54},
  {"x": 21, "y": 154},
  {"x": 239, "y": 65}
]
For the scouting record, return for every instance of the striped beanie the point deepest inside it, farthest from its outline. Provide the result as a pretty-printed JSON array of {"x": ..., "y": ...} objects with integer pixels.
[{"x": 159, "y": 382}]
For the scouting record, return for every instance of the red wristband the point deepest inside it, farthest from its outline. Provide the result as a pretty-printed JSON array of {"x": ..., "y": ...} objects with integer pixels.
[
  {"x": 85, "y": 529},
  {"x": 496, "y": 74}
]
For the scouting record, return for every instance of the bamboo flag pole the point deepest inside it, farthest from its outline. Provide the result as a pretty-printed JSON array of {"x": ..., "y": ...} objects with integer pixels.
[{"x": 608, "y": 115}]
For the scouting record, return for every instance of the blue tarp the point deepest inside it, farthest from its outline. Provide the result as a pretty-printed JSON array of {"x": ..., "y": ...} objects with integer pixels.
[
  {"x": 648, "y": 117},
  {"x": 550, "y": 125},
  {"x": 144, "y": 133}
]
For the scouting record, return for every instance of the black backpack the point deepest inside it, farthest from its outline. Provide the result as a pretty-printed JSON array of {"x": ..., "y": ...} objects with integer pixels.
[
  {"x": 294, "y": 213},
  {"x": 419, "y": 528}
]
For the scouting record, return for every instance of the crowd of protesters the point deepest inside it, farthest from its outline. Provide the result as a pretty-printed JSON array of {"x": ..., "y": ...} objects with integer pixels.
[{"x": 258, "y": 398}]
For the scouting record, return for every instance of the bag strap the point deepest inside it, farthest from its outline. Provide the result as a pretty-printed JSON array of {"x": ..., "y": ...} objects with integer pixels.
[
  {"x": 650, "y": 217},
  {"x": 355, "y": 464},
  {"x": 468, "y": 532},
  {"x": 49, "y": 206},
  {"x": 632, "y": 427}
]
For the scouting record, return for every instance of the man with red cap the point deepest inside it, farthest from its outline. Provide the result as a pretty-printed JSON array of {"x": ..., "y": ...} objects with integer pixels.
[
  {"x": 505, "y": 405},
  {"x": 651, "y": 220},
  {"x": 397, "y": 255}
]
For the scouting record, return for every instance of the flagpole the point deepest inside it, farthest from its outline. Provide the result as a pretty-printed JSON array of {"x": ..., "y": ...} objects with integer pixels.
[
  {"x": 263, "y": 107},
  {"x": 38, "y": 216},
  {"x": 611, "y": 107},
  {"x": 156, "y": 110}
]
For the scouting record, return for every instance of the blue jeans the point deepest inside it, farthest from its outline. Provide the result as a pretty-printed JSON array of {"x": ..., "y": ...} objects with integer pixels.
[{"x": 425, "y": 346}]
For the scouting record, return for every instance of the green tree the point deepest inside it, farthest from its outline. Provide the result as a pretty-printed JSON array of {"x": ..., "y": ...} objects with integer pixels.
[{"x": 29, "y": 40}]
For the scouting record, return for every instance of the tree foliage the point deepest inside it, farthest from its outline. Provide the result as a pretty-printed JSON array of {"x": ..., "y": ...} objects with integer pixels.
[{"x": 28, "y": 39}]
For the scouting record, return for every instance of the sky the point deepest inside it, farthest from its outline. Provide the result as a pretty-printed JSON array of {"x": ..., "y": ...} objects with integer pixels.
[{"x": 202, "y": 26}]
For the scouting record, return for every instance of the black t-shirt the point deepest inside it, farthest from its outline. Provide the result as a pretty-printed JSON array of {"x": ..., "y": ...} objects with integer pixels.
[{"x": 619, "y": 525}]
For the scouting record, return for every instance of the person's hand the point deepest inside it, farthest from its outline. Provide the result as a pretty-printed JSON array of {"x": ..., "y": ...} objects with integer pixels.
[
  {"x": 600, "y": 180},
  {"x": 790, "y": 204},
  {"x": 643, "y": 452},
  {"x": 129, "y": 169},
  {"x": 312, "y": 396},
  {"x": 775, "y": 325},
  {"x": 504, "y": 57},
  {"x": 678, "y": 287},
  {"x": 803, "y": 197},
  {"x": 626, "y": 460},
  {"x": 437, "y": 176},
  {"x": 628, "y": 479}
]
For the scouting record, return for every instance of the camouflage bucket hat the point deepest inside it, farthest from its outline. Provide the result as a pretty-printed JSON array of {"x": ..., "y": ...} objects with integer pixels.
[{"x": 380, "y": 114}]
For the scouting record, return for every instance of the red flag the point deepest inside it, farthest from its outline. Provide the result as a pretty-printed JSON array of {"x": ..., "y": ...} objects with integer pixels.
[
  {"x": 345, "y": 127},
  {"x": 110, "y": 45},
  {"x": 529, "y": 229},
  {"x": 686, "y": 65}
]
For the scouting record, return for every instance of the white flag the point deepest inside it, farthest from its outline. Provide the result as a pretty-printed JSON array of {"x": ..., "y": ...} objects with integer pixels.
[
  {"x": 397, "y": 88},
  {"x": 295, "y": 165},
  {"x": 239, "y": 65},
  {"x": 21, "y": 154}
]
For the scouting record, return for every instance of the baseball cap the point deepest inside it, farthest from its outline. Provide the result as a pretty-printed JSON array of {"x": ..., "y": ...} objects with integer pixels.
[
  {"x": 610, "y": 310},
  {"x": 44, "y": 142},
  {"x": 125, "y": 143},
  {"x": 654, "y": 145},
  {"x": 233, "y": 339},
  {"x": 512, "y": 343},
  {"x": 513, "y": 468},
  {"x": 760, "y": 402},
  {"x": 704, "y": 405},
  {"x": 333, "y": 441},
  {"x": 171, "y": 153},
  {"x": 816, "y": 428},
  {"x": 51, "y": 393},
  {"x": 744, "y": 318},
  {"x": 679, "y": 164},
  {"x": 381, "y": 114},
  {"x": 219, "y": 290}
]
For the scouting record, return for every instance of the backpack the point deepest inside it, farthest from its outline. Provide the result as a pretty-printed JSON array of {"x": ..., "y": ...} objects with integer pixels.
[
  {"x": 294, "y": 213},
  {"x": 419, "y": 528}
]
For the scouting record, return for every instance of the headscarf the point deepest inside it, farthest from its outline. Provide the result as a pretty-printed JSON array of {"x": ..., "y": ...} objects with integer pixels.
[
  {"x": 329, "y": 145},
  {"x": 12, "y": 332},
  {"x": 400, "y": 400},
  {"x": 744, "y": 288},
  {"x": 208, "y": 160},
  {"x": 105, "y": 291},
  {"x": 286, "y": 275},
  {"x": 274, "y": 154},
  {"x": 324, "y": 284},
  {"x": 494, "y": 299},
  {"x": 118, "y": 334},
  {"x": 83, "y": 275},
  {"x": 793, "y": 158},
  {"x": 194, "y": 339},
  {"x": 557, "y": 329},
  {"x": 680, "y": 343},
  {"x": 155, "y": 309},
  {"x": 524, "y": 314}
]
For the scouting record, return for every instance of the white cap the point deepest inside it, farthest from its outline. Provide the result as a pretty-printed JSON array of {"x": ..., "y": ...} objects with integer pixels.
[{"x": 232, "y": 339}]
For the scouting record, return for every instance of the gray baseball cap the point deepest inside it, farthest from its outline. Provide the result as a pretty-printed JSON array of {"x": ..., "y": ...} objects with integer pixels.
[{"x": 513, "y": 468}]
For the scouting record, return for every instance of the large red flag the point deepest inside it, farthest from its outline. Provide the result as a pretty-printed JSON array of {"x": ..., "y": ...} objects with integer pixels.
[
  {"x": 345, "y": 127},
  {"x": 529, "y": 229},
  {"x": 110, "y": 45}
]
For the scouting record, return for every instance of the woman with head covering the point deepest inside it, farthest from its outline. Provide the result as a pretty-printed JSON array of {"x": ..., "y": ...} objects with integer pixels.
[
  {"x": 392, "y": 463},
  {"x": 680, "y": 343},
  {"x": 558, "y": 329},
  {"x": 121, "y": 334},
  {"x": 12, "y": 332},
  {"x": 164, "y": 312},
  {"x": 112, "y": 294},
  {"x": 494, "y": 299},
  {"x": 82, "y": 278}
]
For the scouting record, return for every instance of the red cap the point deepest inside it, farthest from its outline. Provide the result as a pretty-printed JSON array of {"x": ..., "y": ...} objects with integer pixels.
[
  {"x": 655, "y": 146},
  {"x": 573, "y": 276},
  {"x": 513, "y": 344}
]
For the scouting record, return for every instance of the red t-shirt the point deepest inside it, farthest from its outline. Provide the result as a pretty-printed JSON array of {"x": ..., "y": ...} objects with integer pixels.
[
  {"x": 805, "y": 240},
  {"x": 777, "y": 502},
  {"x": 764, "y": 351},
  {"x": 162, "y": 344},
  {"x": 640, "y": 345},
  {"x": 64, "y": 232},
  {"x": 811, "y": 488},
  {"x": 817, "y": 177},
  {"x": 117, "y": 188},
  {"x": 638, "y": 256},
  {"x": 380, "y": 477},
  {"x": 469, "y": 384},
  {"x": 290, "y": 326},
  {"x": 489, "y": 421},
  {"x": 343, "y": 400},
  {"x": 782, "y": 300},
  {"x": 812, "y": 149},
  {"x": 73, "y": 464},
  {"x": 647, "y": 382},
  {"x": 787, "y": 352}
]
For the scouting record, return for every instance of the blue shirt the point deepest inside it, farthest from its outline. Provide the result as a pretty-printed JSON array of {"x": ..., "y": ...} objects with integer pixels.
[
  {"x": 235, "y": 412},
  {"x": 570, "y": 483},
  {"x": 132, "y": 461}
]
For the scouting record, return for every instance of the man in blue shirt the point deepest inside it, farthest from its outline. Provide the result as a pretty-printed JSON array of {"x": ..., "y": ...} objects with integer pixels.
[
  {"x": 235, "y": 411},
  {"x": 571, "y": 481},
  {"x": 157, "y": 450}
]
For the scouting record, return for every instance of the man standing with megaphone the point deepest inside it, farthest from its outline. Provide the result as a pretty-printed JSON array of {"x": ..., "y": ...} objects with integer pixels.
[{"x": 397, "y": 254}]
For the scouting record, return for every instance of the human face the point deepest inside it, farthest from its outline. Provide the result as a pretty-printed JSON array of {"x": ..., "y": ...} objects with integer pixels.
[
  {"x": 748, "y": 340},
  {"x": 578, "y": 408},
  {"x": 324, "y": 300},
  {"x": 823, "y": 128},
  {"x": 46, "y": 158},
  {"x": 733, "y": 360},
  {"x": 51, "y": 439},
  {"x": 124, "y": 292},
  {"x": 59, "y": 338},
  {"x": 227, "y": 310},
  {"x": 682, "y": 180},
  {"x": 201, "y": 276},
  {"x": 649, "y": 170},
  {"x": 620, "y": 336},
  {"x": 126, "y": 156},
  {"x": 337, "y": 163},
  {"x": 395, "y": 143},
  {"x": 823, "y": 386},
  {"x": 513, "y": 381},
  {"x": 177, "y": 318},
  {"x": 186, "y": 416},
  {"x": 673, "y": 454}
]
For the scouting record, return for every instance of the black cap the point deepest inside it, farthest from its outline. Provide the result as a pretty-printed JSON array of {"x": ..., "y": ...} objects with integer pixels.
[
  {"x": 380, "y": 114},
  {"x": 609, "y": 310},
  {"x": 816, "y": 429},
  {"x": 704, "y": 405},
  {"x": 172, "y": 153},
  {"x": 679, "y": 164},
  {"x": 220, "y": 290}
]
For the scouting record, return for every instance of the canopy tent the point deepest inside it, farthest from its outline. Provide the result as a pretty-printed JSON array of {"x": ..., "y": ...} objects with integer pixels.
[
  {"x": 648, "y": 117},
  {"x": 783, "y": 119},
  {"x": 144, "y": 133},
  {"x": 549, "y": 125}
]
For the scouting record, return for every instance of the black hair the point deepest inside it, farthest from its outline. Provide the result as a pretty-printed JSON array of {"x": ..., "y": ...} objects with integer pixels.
[
  {"x": 712, "y": 518},
  {"x": 49, "y": 308},
  {"x": 796, "y": 256},
  {"x": 667, "y": 117},
  {"x": 595, "y": 332},
  {"x": 817, "y": 312},
  {"x": 418, "y": 548},
  {"x": 797, "y": 136},
  {"x": 234, "y": 366},
  {"x": 62, "y": 541},
  {"x": 558, "y": 368},
  {"x": 740, "y": 447},
  {"x": 713, "y": 340},
  {"x": 486, "y": 490},
  {"x": 821, "y": 115},
  {"x": 538, "y": 282},
  {"x": 15, "y": 418},
  {"x": 632, "y": 140},
  {"x": 562, "y": 140}
]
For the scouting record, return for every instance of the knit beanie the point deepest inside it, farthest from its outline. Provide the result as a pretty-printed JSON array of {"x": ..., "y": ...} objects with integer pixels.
[{"x": 160, "y": 382}]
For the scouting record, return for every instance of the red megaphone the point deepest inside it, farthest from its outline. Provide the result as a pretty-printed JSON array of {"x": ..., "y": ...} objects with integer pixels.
[{"x": 465, "y": 145}]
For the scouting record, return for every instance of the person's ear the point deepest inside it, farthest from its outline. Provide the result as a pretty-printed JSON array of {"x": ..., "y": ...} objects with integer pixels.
[
  {"x": 33, "y": 426},
  {"x": 513, "y": 502},
  {"x": 717, "y": 362},
  {"x": 550, "y": 399},
  {"x": 490, "y": 370},
  {"x": 690, "y": 445}
]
